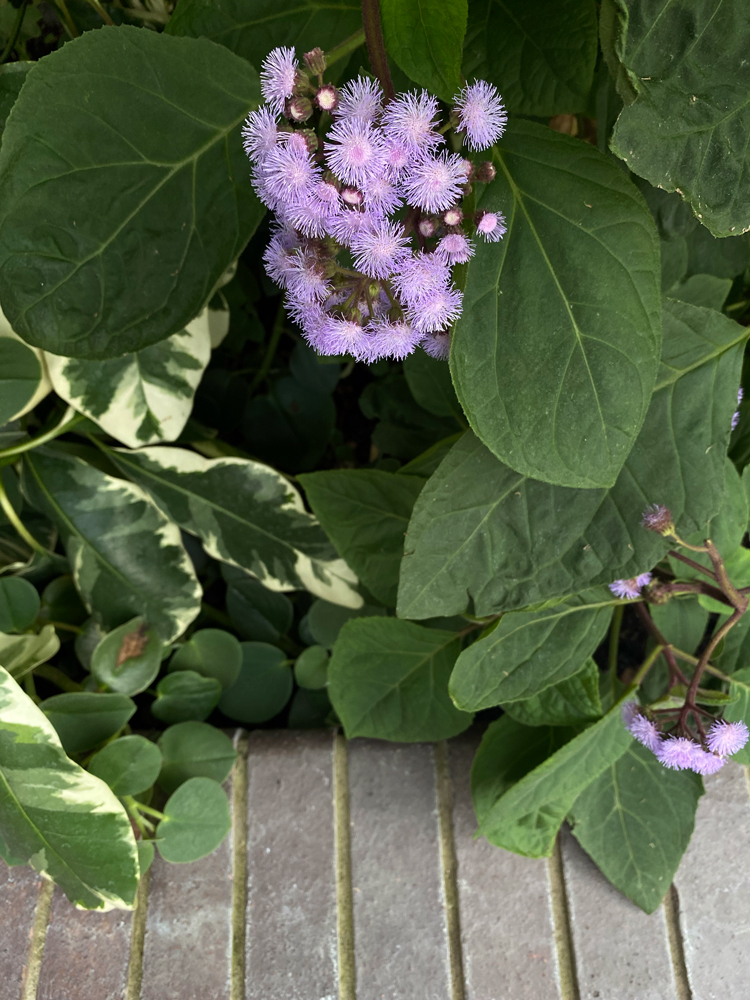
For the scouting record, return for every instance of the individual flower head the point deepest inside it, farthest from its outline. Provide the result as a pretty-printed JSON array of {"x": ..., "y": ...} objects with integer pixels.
[
  {"x": 379, "y": 248},
  {"x": 348, "y": 224},
  {"x": 392, "y": 339},
  {"x": 279, "y": 257},
  {"x": 736, "y": 414},
  {"x": 726, "y": 738},
  {"x": 454, "y": 216},
  {"x": 396, "y": 157},
  {"x": 427, "y": 226},
  {"x": 353, "y": 151},
  {"x": 436, "y": 311},
  {"x": 419, "y": 277},
  {"x": 410, "y": 119},
  {"x": 491, "y": 226},
  {"x": 455, "y": 248},
  {"x": 381, "y": 195},
  {"x": 481, "y": 115},
  {"x": 309, "y": 316},
  {"x": 338, "y": 335},
  {"x": 435, "y": 182},
  {"x": 327, "y": 97},
  {"x": 706, "y": 763},
  {"x": 437, "y": 344},
  {"x": 658, "y": 518},
  {"x": 643, "y": 730},
  {"x": 260, "y": 134},
  {"x": 628, "y": 590},
  {"x": 288, "y": 174},
  {"x": 307, "y": 281},
  {"x": 361, "y": 98},
  {"x": 677, "y": 753},
  {"x": 278, "y": 72}
]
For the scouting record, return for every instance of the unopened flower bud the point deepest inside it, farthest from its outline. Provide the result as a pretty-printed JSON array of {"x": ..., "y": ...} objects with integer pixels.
[
  {"x": 298, "y": 109},
  {"x": 453, "y": 217},
  {"x": 302, "y": 84},
  {"x": 311, "y": 139},
  {"x": 427, "y": 227},
  {"x": 486, "y": 172},
  {"x": 327, "y": 97},
  {"x": 659, "y": 593},
  {"x": 315, "y": 61},
  {"x": 351, "y": 196},
  {"x": 468, "y": 168},
  {"x": 658, "y": 518}
]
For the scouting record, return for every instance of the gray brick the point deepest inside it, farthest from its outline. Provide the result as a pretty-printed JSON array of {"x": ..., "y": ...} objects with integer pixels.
[
  {"x": 291, "y": 944},
  {"x": 399, "y": 919},
  {"x": 19, "y": 891},
  {"x": 85, "y": 954},
  {"x": 713, "y": 883},
  {"x": 506, "y": 915},
  {"x": 621, "y": 952}
]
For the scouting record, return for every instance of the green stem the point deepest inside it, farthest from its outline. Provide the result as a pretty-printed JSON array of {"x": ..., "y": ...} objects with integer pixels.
[
  {"x": 30, "y": 687},
  {"x": 57, "y": 677},
  {"x": 345, "y": 48},
  {"x": 376, "y": 46},
  {"x": 614, "y": 642},
  {"x": 278, "y": 329},
  {"x": 70, "y": 24},
  {"x": 65, "y": 627},
  {"x": 644, "y": 668},
  {"x": 133, "y": 810},
  {"x": 70, "y": 419},
  {"x": 149, "y": 810},
  {"x": 18, "y": 524},
  {"x": 14, "y": 34},
  {"x": 103, "y": 14}
]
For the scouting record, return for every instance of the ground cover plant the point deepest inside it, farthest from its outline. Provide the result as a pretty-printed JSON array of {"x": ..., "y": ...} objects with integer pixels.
[{"x": 378, "y": 367}]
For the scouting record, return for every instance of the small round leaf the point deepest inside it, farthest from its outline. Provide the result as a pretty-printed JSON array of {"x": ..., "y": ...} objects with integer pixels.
[
  {"x": 128, "y": 658},
  {"x": 311, "y": 668},
  {"x": 196, "y": 820},
  {"x": 185, "y": 695},
  {"x": 19, "y": 604},
  {"x": 310, "y": 710},
  {"x": 194, "y": 750},
  {"x": 210, "y": 652},
  {"x": 129, "y": 765},
  {"x": 263, "y": 687},
  {"x": 61, "y": 603},
  {"x": 145, "y": 854},
  {"x": 86, "y": 719}
]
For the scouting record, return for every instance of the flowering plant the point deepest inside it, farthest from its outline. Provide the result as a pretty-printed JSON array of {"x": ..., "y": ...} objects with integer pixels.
[{"x": 368, "y": 370}]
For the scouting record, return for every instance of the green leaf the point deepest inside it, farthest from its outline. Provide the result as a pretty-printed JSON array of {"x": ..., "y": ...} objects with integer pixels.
[
  {"x": 636, "y": 820},
  {"x": 310, "y": 710},
  {"x": 325, "y": 620},
  {"x": 389, "y": 679},
  {"x": 256, "y": 612},
  {"x": 425, "y": 38},
  {"x": 20, "y": 654},
  {"x": 686, "y": 130},
  {"x": 194, "y": 750},
  {"x": 263, "y": 687},
  {"x": 129, "y": 766},
  {"x": 20, "y": 377},
  {"x": 429, "y": 381},
  {"x": 62, "y": 821},
  {"x": 86, "y": 719},
  {"x": 19, "y": 604},
  {"x": 251, "y": 28},
  {"x": 85, "y": 186},
  {"x": 138, "y": 398},
  {"x": 530, "y": 651},
  {"x": 682, "y": 622},
  {"x": 196, "y": 820},
  {"x": 525, "y": 818},
  {"x": 61, "y": 603},
  {"x": 12, "y": 77},
  {"x": 311, "y": 668},
  {"x": 128, "y": 658},
  {"x": 482, "y": 531},
  {"x": 569, "y": 703},
  {"x": 142, "y": 568},
  {"x": 185, "y": 695},
  {"x": 739, "y": 710},
  {"x": 246, "y": 514},
  {"x": 702, "y": 290},
  {"x": 540, "y": 55},
  {"x": 581, "y": 247},
  {"x": 145, "y": 854},
  {"x": 210, "y": 652},
  {"x": 722, "y": 258},
  {"x": 425, "y": 464},
  {"x": 365, "y": 513}
]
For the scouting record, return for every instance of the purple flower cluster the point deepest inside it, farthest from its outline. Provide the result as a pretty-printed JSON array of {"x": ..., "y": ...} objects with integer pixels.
[
  {"x": 368, "y": 219},
  {"x": 628, "y": 590},
  {"x": 679, "y": 753}
]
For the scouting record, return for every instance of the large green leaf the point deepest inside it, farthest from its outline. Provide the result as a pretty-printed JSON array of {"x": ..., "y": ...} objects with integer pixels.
[
  {"x": 540, "y": 55},
  {"x": 126, "y": 557},
  {"x": 53, "y": 815},
  {"x": 739, "y": 710},
  {"x": 481, "y": 530},
  {"x": 84, "y": 719},
  {"x": 635, "y": 820},
  {"x": 246, "y": 514},
  {"x": 389, "y": 679},
  {"x": 12, "y": 77},
  {"x": 568, "y": 703},
  {"x": 426, "y": 37},
  {"x": 365, "y": 513},
  {"x": 530, "y": 651},
  {"x": 251, "y": 28},
  {"x": 122, "y": 140},
  {"x": 581, "y": 249},
  {"x": 684, "y": 63},
  {"x": 138, "y": 398},
  {"x": 525, "y": 816}
]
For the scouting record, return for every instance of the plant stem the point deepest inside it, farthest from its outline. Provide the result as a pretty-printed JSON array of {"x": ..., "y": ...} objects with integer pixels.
[
  {"x": 70, "y": 419},
  {"x": 103, "y": 14},
  {"x": 149, "y": 810},
  {"x": 18, "y": 524},
  {"x": 70, "y": 24},
  {"x": 738, "y": 600},
  {"x": 691, "y": 562},
  {"x": 273, "y": 343},
  {"x": 345, "y": 48},
  {"x": 614, "y": 641},
  {"x": 376, "y": 46},
  {"x": 14, "y": 34},
  {"x": 716, "y": 638},
  {"x": 669, "y": 656},
  {"x": 57, "y": 677},
  {"x": 644, "y": 668}
]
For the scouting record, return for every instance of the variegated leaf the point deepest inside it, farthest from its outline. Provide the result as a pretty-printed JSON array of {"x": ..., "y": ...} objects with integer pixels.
[
  {"x": 246, "y": 514},
  {"x": 55, "y": 816},
  {"x": 19, "y": 654},
  {"x": 127, "y": 559},
  {"x": 138, "y": 398},
  {"x": 24, "y": 380}
]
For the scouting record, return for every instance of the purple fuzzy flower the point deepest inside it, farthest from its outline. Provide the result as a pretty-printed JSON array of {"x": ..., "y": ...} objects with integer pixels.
[
  {"x": 410, "y": 119},
  {"x": 628, "y": 590},
  {"x": 455, "y": 248},
  {"x": 657, "y": 518},
  {"x": 307, "y": 280},
  {"x": 260, "y": 134},
  {"x": 353, "y": 151},
  {"x": 280, "y": 257},
  {"x": 677, "y": 753},
  {"x": 396, "y": 157},
  {"x": 435, "y": 182},
  {"x": 706, "y": 763},
  {"x": 481, "y": 115},
  {"x": 392, "y": 339},
  {"x": 379, "y": 248},
  {"x": 309, "y": 316},
  {"x": 288, "y": 175},
  {"x": 278, "y": 72},
  {"x": 437, "y": 344},
  {"x": 419, "y": 277},
  {"x": 342, "y": 336},
  {"x": 436, "y": 311},
  {"x": 645, "y": 732},
  {"x": 726, "y": 738},
  {"x": 381, "y": 196},
  {"x": 736, "y": 414},
  {"x": 346, "y": 226},
  {"x": 361, "y": 98},
  {"x": 492, "y": 226}
]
